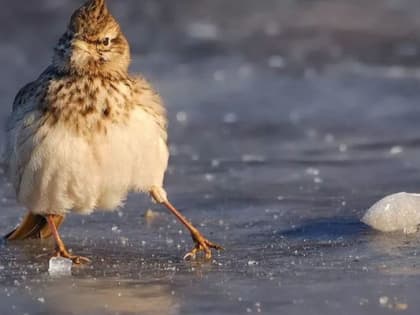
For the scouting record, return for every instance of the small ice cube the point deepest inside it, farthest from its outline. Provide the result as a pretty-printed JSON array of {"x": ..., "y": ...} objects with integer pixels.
[
  {"x": 397, "y": 212},
  {"x": 60, "y": 266}
]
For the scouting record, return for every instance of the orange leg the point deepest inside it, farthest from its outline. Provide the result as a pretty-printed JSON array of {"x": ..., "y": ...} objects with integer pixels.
[
  {"x": 61, "y": 250},
  {"x": 201, "y": 243}
]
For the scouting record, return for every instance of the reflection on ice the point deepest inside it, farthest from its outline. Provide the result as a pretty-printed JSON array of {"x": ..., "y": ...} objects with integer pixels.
[{"x": 111, "y": 296}]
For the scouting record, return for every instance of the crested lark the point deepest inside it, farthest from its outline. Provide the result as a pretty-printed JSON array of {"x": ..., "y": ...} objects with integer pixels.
[{"x": 86, "y": 133}]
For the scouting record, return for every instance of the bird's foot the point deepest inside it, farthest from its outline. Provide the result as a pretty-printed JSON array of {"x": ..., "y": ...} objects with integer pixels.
[
  {"x": 201, "y": 245},
  {"x": 77, "y": 260}
]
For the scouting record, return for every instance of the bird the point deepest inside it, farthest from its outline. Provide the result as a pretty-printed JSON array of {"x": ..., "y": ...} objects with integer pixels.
[{"x": 86, "y": 133}]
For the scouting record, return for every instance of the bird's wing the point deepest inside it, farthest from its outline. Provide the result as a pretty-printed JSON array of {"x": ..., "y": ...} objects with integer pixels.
[
  {"x": 150, "y": 101},
  {"x": 33, "y": 89},
  {"x": 23, "y": 95},
  {"x": 24, "y": 121}
]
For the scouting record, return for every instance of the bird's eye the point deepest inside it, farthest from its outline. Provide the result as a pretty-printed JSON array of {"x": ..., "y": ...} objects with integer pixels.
[{"x": 106, "y": 41}]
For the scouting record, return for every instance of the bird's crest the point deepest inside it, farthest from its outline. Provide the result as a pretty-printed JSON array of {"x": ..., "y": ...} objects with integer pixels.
[
  {"x": 96, "y": 8},
  {"x": 91, "y": 17}
]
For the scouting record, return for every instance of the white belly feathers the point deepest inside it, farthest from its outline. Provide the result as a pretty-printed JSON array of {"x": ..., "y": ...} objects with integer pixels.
[{"x": 66, "y": 172}]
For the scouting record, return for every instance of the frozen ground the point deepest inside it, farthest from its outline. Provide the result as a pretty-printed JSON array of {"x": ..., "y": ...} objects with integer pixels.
[{"x": 288, "y": 120}]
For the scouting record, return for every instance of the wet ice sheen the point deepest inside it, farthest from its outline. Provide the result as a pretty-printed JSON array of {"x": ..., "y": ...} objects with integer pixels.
[
  {"x": 60, "y": 266},
  {"x": 397, "y": 212},
  {"x": 267, "y": 140}
]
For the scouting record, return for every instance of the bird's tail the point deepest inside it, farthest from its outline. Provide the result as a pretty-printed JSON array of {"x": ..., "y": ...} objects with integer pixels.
[{"x": 33, "y": 226}]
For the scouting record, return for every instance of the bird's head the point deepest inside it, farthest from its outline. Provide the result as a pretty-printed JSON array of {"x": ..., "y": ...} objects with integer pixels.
[{"x": 93, "y": 43}]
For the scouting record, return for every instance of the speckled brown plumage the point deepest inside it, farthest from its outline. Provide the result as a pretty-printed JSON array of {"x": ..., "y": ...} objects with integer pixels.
[{"x": 86, "y": 132}]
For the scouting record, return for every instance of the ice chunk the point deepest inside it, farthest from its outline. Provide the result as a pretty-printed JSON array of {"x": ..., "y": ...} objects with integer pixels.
[
  {"x": 60, "y": 266},
  {"x": 397, "y": 212}
]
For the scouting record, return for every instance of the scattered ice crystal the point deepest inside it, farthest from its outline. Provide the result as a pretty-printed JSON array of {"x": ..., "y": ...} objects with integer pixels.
[
  {"x": 245, "y": 71},
  {"x": 182, "y": 117},
  {"x": 215, "y": 163},
  {"x": 203, "y": 31},
  {"x": 276, "y": 62},
  {"x": 396, "y": 150},
  {"x": 312, "y": 171},
  {"x": 230, "y": 118},
  {"x": 116, "y": 229},
  {"x": 329, "y": 138},
  {"x": 383, "y": 300},
  {"x": 60, "y": 266},
  {"x": 209, "y": 177},
  {"x": 342, "y": 148},
  {"x": 251, "y": 158},
  {"x": 219, "y": 75},
  {"x": 397, "y": 212},
  {"x": 272, "y": 28},
  {"x": 318, "y": 180}
]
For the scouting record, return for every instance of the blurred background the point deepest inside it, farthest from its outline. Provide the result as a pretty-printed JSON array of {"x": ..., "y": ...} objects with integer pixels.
[
  {"x": 288, "y": 119},
  {"x": 302, "y": 33}
]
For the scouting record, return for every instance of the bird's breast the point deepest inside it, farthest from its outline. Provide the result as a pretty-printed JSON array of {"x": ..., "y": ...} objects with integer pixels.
[{"x": 89, "y": 105}]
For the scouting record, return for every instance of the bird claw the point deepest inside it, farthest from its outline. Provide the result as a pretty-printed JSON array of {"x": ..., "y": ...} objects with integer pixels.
[
  {"x": 190, "y": 255},
  {"x": 201, "y": 245},
  {"x": 80, "y": 260},
  {"x": 77, "y": 260}
]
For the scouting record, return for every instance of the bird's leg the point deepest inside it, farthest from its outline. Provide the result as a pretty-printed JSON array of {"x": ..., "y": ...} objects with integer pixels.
[
  {"x": 61, "y": 250},
  {"x": 201, "y": 243}
]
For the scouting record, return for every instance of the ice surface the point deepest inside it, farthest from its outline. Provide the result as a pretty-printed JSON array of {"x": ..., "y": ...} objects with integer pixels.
[
  {"x": 59, "y": 266},
  {"x": 397, "y": 212},
  {"x": 267, "y": 137}
]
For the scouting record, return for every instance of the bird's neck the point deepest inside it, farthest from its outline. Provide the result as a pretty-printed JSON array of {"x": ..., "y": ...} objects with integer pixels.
[{"x": 92, "y": 73}]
